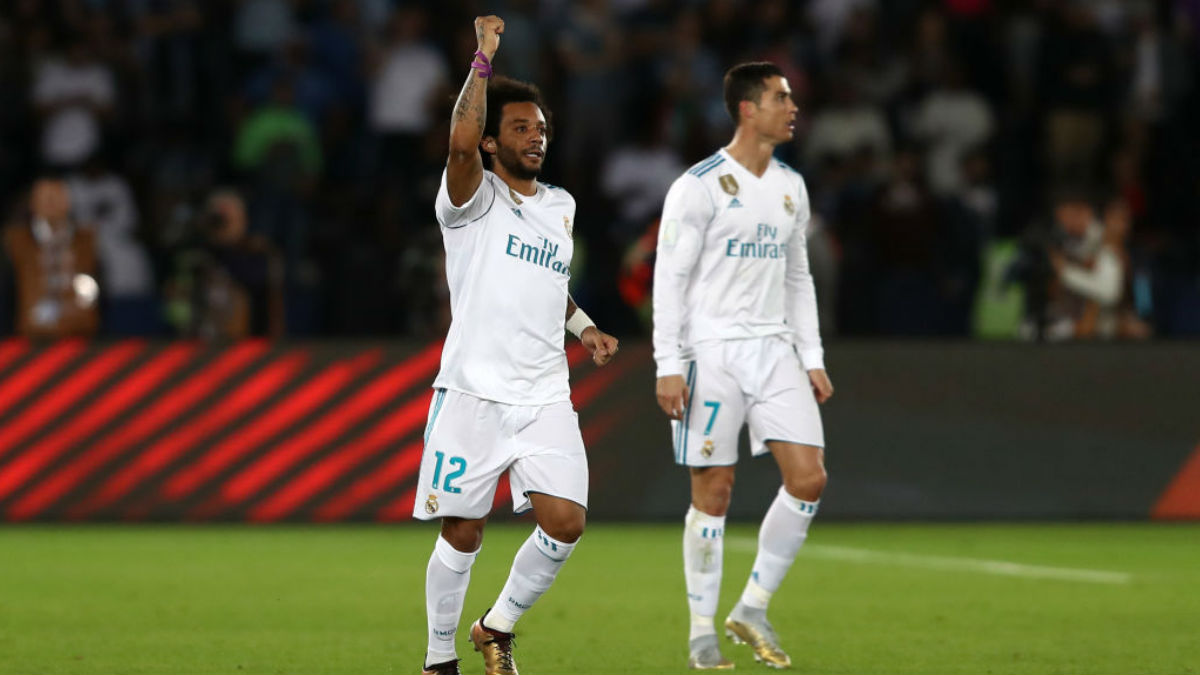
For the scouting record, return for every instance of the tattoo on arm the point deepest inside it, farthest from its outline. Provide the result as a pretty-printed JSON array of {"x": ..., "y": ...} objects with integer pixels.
[{"x": 464, "y": 98}]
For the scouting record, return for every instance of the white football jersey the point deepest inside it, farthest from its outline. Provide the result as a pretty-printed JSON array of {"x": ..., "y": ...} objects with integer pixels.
[
  {"x": 732, "y": 262},
  {"x": 508, "y": 261}
]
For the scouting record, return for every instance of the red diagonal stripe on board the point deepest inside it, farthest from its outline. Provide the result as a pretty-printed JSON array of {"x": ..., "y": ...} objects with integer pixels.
[
  {"x": 83, "y": 380},
  {"x": 246, "y": 397},
  {"x": 402, "y": 465},
  {"x": 322, "y": 474},
  {"x": 576, "y": 353},
  {"x": 1181, "y": 499},
  {"x": 262, "y": 428},
  {"x": 120, "y": 396},
  {"x": 597, "y": 381},
  {"x": 43, "y": 366},
  {"x": 331, "y": 426},
  {"x": 11, "y": 350},
  {"x": 166, "y": 409}
]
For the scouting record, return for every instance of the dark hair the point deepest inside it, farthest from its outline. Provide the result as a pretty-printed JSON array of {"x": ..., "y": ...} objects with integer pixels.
[
  {"x": 747, "y": 82},
  {"x": 502, "y": 91}
]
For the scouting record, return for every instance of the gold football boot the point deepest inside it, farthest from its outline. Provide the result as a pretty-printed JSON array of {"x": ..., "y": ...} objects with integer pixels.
[
  {"x": 761, "y": 637},
  {"x": 496, "y": 648}
]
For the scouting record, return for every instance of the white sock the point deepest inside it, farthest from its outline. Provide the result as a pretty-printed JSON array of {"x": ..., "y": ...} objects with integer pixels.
[
  {"x": 703, "y": 552},
  {"x": 446, "y": 581},
  {"x": 779, "y": 540},
  {"x": 533, "y": 570}
]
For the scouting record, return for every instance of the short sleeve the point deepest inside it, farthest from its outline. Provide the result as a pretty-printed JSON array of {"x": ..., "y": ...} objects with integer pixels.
[{"x": 452, "y": 217}]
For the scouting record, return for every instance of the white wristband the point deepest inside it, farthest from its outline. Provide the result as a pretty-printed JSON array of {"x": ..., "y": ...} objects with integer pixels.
[{"x": 579, "y": 322}]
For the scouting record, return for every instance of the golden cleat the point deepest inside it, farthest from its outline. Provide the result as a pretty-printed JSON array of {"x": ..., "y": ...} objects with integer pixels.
[
  {"x": 761, "y": 637},
  {"x": 496, "y": 648}
]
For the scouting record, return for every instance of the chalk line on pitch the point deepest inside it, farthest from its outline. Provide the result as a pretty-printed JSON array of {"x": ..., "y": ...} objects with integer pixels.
[{"x": 946, "y": 563}]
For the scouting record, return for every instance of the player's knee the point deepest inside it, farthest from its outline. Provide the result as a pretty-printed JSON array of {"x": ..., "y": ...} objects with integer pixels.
[
  {"x": 715, "y": 494},
  {"x": 463, "y": 535},
  {"x": 567, "y": 529},
  {"x": 808, "y": 484}
]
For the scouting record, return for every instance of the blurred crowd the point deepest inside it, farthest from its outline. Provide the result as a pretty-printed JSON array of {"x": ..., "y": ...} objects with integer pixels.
[{"x": 216, "y": 169}]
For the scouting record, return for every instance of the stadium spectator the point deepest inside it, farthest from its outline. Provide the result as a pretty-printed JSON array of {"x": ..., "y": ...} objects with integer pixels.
[
  {"x": 226, "y": 283},
  {"x": 1077, "y": 85},
  {"x": 278, "y": 151},
  {"x": 1092, "y": 92},
  {"x": 102, "y": 201},
  {"x": 408, "y": 77},
  {"x": 73, "y": 93},
  {"x": 950, "y": 120},
  {"x": 55, "y": 264}
]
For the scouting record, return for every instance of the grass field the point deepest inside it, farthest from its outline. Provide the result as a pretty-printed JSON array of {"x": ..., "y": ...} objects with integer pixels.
[{"x": 861, "y": 599}]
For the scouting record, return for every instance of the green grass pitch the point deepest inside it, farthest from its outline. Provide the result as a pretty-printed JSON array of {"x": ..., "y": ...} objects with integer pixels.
[{"x": 861, "y": 598}]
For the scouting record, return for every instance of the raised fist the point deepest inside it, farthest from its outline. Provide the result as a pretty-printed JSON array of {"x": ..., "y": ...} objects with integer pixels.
[{"x": 487, "y": 33}]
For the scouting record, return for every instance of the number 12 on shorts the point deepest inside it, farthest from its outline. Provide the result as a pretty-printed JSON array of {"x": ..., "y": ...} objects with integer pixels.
[{"x": 457, "y": 473}]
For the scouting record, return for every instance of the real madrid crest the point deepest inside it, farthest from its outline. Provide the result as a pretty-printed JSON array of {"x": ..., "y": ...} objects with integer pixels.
[
  {"x": 707, "y": 448},
  {"x": 728, "y": 183},
  {"x": 431, "y": 505},
  {"x": 789, "y": 205},
  {"x": 567, "y": 226}
]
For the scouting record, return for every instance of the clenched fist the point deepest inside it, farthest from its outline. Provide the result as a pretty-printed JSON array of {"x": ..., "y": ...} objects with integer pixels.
[{"x": 487, "y": 34}]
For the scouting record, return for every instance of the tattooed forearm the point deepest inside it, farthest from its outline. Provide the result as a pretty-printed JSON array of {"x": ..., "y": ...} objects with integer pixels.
[{"x": 471, "y": 107}]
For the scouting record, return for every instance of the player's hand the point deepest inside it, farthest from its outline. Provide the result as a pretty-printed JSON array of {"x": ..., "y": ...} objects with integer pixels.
[
  {"x": 487, "y": 34},
  {"x": 821, "y": 386},
  {"x": 673, "y": 394},
  {"x": 602, "y": 346}
]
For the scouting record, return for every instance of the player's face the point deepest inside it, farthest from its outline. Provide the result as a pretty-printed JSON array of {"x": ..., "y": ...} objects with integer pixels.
[
  {"x": 775, "y": 115},
  {"x": 521, "y": 147}
]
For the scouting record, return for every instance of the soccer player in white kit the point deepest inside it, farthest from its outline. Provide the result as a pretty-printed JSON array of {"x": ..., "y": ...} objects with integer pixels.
[
  {"x": 502, "y": 401},
  {"x": 736, "y": 342}
]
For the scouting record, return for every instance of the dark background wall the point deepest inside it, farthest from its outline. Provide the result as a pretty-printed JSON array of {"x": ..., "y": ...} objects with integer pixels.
[
  {"x": 954, "y": 430},
  {"x": 135, "y": 430}
]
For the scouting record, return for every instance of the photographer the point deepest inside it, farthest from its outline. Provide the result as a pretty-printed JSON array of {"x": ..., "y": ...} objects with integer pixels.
[
  {"x": 1088, "y": 267},
  {"x": 227, "y": 284}
]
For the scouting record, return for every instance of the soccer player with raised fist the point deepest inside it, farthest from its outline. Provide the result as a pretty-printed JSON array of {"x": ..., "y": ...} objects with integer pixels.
[{"x": 502, "y": 402}]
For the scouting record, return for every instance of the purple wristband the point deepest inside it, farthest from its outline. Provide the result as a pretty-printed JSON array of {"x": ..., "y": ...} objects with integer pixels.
[{"x": 482, "y": 64}]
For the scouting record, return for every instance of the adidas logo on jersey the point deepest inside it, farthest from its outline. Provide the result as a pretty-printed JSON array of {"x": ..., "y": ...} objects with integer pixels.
[{"x": 735, "y": 204}]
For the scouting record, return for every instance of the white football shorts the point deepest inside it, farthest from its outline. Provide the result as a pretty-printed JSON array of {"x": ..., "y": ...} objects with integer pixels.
[
  {"x": 470, "y": 442},
  {"x": 757, "y": 381}
]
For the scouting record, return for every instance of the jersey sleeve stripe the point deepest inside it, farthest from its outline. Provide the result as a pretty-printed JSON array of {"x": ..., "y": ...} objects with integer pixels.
[
  {"x": 703, "y": 164},
  {"x": 710, "y": 167}
]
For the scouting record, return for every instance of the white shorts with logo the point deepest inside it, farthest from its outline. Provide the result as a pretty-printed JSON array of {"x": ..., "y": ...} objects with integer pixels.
[
  {"x": 757, "y": 381},
  {"x": 470, "y": 442}
]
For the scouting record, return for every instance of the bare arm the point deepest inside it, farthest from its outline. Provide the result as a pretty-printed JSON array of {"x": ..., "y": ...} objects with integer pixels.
[{"x": 464, "y": 167}]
